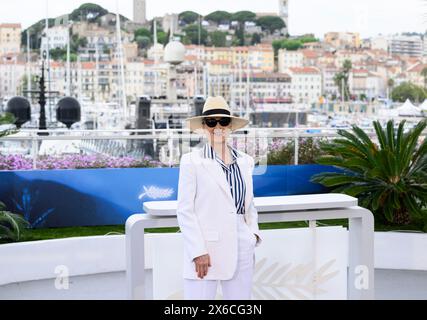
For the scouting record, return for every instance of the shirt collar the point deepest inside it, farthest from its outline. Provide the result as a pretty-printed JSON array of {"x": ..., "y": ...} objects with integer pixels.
[{"x": 210, "y": 153}]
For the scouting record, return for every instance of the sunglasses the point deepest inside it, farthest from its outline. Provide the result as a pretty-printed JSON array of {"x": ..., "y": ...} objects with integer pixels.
[{"x": 211, "y": 122}]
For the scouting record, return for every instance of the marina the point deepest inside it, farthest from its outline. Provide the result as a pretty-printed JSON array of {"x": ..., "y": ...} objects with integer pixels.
[{"x": 94, "y": 104}]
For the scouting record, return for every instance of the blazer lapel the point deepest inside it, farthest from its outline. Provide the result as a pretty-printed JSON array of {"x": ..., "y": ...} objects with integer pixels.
[{"x": 216, "y": 173}]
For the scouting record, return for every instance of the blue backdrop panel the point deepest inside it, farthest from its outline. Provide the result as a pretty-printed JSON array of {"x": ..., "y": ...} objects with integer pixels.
[{"x": 87, "y": 197}]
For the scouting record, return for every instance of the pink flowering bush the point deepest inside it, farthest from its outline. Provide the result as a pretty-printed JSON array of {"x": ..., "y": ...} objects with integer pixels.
[
  {"x": 282, "y": 151},
  {"x": 19, "y": 162}
]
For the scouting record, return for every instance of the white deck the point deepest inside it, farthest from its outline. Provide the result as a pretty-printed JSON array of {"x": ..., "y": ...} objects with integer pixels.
[
  {"x": 389, "y": 284},
  {"x": 98, "y": 263}
]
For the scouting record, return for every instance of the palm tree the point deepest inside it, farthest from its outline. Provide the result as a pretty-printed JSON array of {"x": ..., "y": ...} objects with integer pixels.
[
  {"x": 389, "y": 178},
  {"x": 341, "y": 80},
  {"x": 11, "y": 225}
]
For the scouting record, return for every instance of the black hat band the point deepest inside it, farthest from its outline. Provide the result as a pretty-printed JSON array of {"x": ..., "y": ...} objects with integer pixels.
[{"x": 216, "y": 111}]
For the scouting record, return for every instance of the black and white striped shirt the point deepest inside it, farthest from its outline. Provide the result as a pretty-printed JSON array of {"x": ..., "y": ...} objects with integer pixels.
[{"x": 233, "y": 175}]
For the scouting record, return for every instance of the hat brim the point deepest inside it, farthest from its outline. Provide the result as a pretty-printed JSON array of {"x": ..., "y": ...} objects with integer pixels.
[{"x": 195, "y": 123}]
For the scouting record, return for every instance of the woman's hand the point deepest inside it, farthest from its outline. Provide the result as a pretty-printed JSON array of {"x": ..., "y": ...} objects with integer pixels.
[{"x": 202, "y": 264}]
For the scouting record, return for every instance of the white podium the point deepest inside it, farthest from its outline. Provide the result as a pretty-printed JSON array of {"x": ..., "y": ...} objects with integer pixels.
[{"x": 270, "y": 209}]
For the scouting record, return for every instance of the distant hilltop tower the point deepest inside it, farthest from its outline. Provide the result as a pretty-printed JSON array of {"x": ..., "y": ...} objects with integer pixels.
[
  {"x": 284, "y": 13},
  {"x": 139, "y": 11}
]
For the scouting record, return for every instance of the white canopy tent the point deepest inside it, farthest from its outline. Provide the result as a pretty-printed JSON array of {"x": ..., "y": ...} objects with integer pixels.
[
  {"x": 423, "y": 106},
  {"x": 408, "y": 109}
]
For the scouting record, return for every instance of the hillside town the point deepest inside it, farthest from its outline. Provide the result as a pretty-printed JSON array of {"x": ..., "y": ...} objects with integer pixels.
[
  {"x": 249, "y": 58},
  {"x": 213, "y": 150}
]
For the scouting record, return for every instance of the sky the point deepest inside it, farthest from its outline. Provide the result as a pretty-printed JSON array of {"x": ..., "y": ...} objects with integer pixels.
[{"x": 368, "y": 17}]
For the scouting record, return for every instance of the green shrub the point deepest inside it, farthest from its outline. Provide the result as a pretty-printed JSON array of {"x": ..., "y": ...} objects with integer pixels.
[
  {"x": 11, "y": 225},
  {"x": 389, "y": 178}
]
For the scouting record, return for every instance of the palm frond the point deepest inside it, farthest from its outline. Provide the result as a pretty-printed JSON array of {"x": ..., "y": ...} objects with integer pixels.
[
  {"x": 13, "y": 223},
  {"x": 389, "y": 178}
]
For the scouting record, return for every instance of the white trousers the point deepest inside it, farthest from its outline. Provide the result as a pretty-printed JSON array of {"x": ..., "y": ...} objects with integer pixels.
[{"x": 239, "y": 287}]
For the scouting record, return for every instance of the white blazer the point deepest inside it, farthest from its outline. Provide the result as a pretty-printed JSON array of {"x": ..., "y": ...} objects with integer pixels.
[{"x": 207, "y": 214}]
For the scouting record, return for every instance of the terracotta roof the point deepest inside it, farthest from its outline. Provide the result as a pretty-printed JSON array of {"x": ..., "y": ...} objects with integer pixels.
[
  {"x": 359, "y": 63},
  {"x": 56, "y": 64},
  {"x": 88, "y": 65},
  {"x": 10, "y": 25},
  {"x": 272, "y": 75},
  {"x": 417, "y": 68},
  {"x": 192, "y": 46},
  {"x": 191, "y": 58},
  {"x": 309, "y": 54},
  {"x": 327, "y": 55},
  {"x": 360, "y": 71},
  {"x": 303, "y": 70},
  {"x": 412, "y": 59},
  {"x": 259, "y": 47},
  {"x": 374, "y": 63},
  {"x": 220, "y": 62},
  {"x": 240, "y": 48}
]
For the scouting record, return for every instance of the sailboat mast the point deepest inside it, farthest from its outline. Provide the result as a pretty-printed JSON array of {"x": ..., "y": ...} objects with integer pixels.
[
  {"x": 240, "y": 86},
  {"x": 48, "y": 61},
  {"x": 28, "y": 66},
  {"x": 122, "y": 69},
  {"x": 68, "y": 61},
  {"x": 247, "y": 87}
]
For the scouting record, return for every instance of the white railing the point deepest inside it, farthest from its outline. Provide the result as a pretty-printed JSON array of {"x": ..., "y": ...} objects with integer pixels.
[{"x": 86, "y": 137}]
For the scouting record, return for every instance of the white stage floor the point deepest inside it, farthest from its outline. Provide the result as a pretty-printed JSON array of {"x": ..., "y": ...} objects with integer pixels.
[{"x": 389, "y": 284}]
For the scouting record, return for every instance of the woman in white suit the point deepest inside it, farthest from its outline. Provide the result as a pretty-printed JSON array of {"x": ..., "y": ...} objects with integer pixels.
[{"x": 215, "y": 209}]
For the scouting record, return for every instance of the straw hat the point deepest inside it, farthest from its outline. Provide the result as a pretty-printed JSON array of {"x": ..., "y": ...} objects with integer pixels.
[{"x": 216, "y": 107}]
